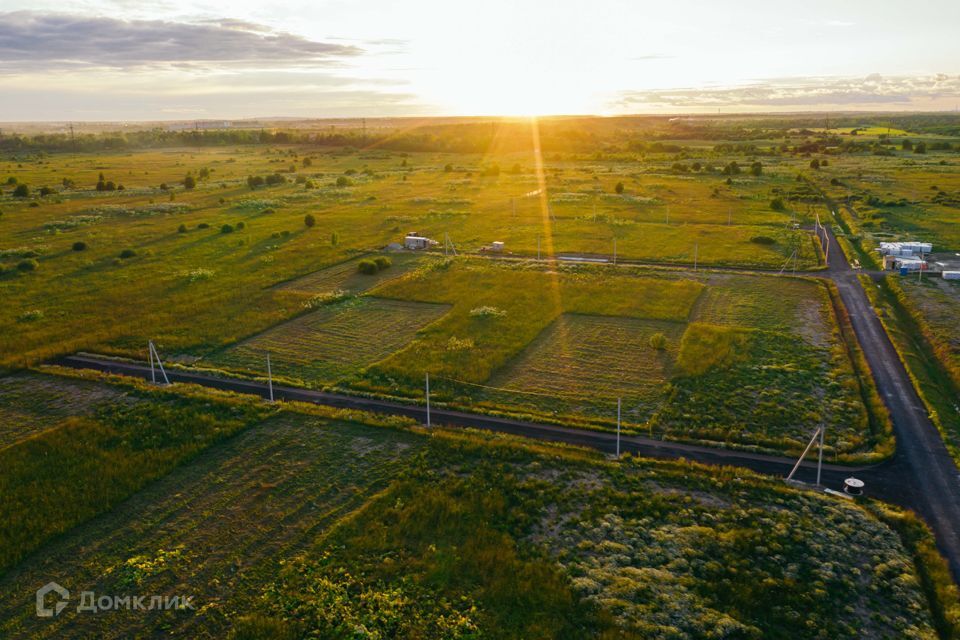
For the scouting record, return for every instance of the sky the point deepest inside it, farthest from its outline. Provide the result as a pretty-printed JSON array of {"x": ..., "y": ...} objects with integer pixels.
[{"x": 107, "y": 60}]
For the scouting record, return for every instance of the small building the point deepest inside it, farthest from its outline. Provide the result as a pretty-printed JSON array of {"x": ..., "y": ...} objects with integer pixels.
[
  {"x": 497, "y": 246},
  {"x": 416, "y": 242}
]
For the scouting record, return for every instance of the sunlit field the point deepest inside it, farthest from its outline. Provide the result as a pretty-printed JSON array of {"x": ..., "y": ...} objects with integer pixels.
[{"x": 302, "y": 521}]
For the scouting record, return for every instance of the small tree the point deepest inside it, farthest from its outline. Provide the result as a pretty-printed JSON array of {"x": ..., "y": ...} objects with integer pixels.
[
  {"x": 382, "y": 262},
  {"x": 777, "y": 204},
  {"x": 309, "y": 220},
  {"x": 907, "y": 144},
  {"x": 227, "y": 228},
  {"x": 79, "y": 245},
  {"x": 334, "y": 239},
  {"x": 619, "y": 187},
  {"x": 448, "y": 168},
  {"x": 343, "y": 181},
  {"x": 22, "y": 191},
  {"x": 189, "y": 182},
  {"x": 756, "y": 169},
  {"x": 920, "y": 147},
  {"x": 814, "y": 164},
  {"x": 182, "y": 228},
  {"x": 46, "y": 191},
  {"x": 367, "y": 266}
]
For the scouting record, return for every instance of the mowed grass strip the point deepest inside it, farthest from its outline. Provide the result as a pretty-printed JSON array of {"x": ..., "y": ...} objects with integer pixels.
[
  {"x": 334, "y": 341},
  {"x": 769, "y": 303},
  {"x": 346, "y": 276},
  {"x": 216, "y": 529},
  {"x": 594, "y": 358}
]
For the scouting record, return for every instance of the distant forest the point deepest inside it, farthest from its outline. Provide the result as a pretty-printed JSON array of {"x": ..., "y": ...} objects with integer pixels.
[{"x": 557, "y": 134}]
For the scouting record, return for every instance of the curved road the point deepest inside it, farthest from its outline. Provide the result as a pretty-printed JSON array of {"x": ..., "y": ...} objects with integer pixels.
[{"x": 921, "y": 475}]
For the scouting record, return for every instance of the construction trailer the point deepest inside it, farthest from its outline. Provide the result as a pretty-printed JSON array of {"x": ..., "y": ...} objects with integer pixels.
[
  {"x": 416, "y": 242},
  {"x": 951, "y": 275}
]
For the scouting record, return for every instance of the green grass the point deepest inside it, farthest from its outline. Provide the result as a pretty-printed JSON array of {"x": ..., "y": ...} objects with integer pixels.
[
  {"x": 482, "y": 538},
  {"x": 86, "y": 465},
  {"x": 347, "y": 278},
  {"x": 31, "y": 403},
  {"x": 156, "y": 294},
  {"x": 216, "y": 528},
  {"x": 334, "y": 341}
]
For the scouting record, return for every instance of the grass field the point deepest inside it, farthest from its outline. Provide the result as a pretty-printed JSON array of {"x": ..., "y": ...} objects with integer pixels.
[
  {"x": 594, "y": 360},
  {"x": 31, "y": 403},
  {"x": 312, "y": 521},
  {"x": 346, "y": 277},
  {"x": 200, "y": 289},
  {"x": 215, "y": 529},
  {"x": 502, "y": 543},
  {"x": 334, "y": 341}
]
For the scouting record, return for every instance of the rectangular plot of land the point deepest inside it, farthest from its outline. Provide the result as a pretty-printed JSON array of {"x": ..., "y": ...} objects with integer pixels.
[
  {"x": 215, "y": 529},
  {"x": 334, "y": 341},
  {"x": 31, "y": 403},
  {"x": 595, "y": 357},
  {"x": 346, "y": 277},
  {"x": 767, "y": 303}
]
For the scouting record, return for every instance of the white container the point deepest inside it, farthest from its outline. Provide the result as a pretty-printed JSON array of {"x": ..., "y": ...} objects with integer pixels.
[{"x": 951, "y": 275}]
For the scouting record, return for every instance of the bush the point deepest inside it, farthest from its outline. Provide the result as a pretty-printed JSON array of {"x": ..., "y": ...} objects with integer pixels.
[
  {"x": 619, "y": 187},
  {"x": 203, "y": 225},
  {"x": 227, "y": 228},
  {"x": 777, "y": 204},
  {"x": 274, "y": 179},
  {"x": 46, "y": 191},
  {"x": 382, "y": 262},
  {"x": 367, "y": 266},
  {"x": 127, "y": 253},
  {"x": 22, "y": 191},
  {"x": 29, "y": 264},
  {"x": 763, "y": 240},
  {"x": 344, "y": 181},
  {"x": 241, "y": 225},
  {"x": 658, "y": 341},
  {"x": 79, "y": 246},
  {"x": 189, "y": 182},
  {"x": 182, "y": 228},
  {"x": 30, "y": 316},
  {"x": 814, "y": 164},
  {"x": 309, "y": 220}
]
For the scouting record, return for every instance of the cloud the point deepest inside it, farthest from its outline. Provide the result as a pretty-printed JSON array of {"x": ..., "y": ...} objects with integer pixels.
[
  {"x": 872, "y": 90},
  {"x": 43, "y": 41}
]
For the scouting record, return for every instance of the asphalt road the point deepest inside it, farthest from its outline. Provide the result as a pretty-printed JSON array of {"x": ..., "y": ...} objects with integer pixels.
[
  {"x": 882, "y": 480},
  {"x": 926, "y": 469}
]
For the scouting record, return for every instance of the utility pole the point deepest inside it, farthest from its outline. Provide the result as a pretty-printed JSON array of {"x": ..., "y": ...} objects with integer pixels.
[
  {"x": 820, "y": 458},
  {"x": 538, "y": 248},
  {"x": 155, "y": 354},
  {"x": 428, "y": 400},
  {"x": 614, "y": 250},
  {"x": 513, "y": 205},
  {"x": 618, "y": 428},
  {"x": 696, "y": 254},
  {"x": 269, "y": 377}
]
